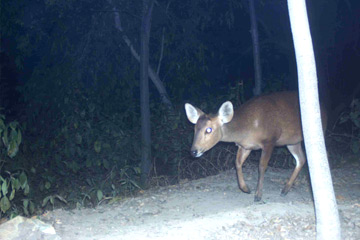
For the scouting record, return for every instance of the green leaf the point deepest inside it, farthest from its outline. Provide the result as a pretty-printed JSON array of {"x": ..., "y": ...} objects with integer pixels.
[
  {"x": 13, "y": 134},
  {"x": 97, "y": 146},
  {"x": 344, "y": 118},
  {"x": 12, "y": 195},
  {"x": 32, "y": 207},
  {"x": 13, "y": 125},
  {"x": 2, "y": 124},
  {"x": 137, "y": 170},
  {"x": 45, "y": 201},
  {"x": 174, "y": 126},
  {"x": 26, "y": 203},
  {"x": 106, "y": 164},
  {"x": 23, "y": 180},
  {"x": 89, "y": 182},
  {"x": 27, "y": 189},
  {"x": 4, "y": 188},
  {"x": 112, "y": 175},
  {"x": 15, "y": 184},
  {"x": 5, "y": 137},
  {"x": 99, "y": 195},
  {"x": 12, "y": 149},
  {"x": 47, "y": 185},
  {"x": 19, "y": 137},
  {"x": 5, "y": 204}
]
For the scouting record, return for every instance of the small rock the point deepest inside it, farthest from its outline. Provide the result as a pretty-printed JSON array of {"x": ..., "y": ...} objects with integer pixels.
[{"x": 21, "y": 228}]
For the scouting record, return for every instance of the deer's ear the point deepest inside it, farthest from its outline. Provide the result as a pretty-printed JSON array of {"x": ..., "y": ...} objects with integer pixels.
[
  {"x": 193, "y": 113},
  {"x": 226, "y": 112}
]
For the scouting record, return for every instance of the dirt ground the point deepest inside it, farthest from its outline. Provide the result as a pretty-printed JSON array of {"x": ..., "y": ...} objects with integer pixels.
[{"x": 215, "y": 208}]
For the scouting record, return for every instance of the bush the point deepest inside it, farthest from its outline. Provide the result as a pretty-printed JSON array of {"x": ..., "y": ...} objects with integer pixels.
[{"x": 13, "y": 183}]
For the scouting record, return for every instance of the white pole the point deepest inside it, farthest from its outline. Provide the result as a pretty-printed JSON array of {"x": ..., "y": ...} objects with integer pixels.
[{"x": 327, "y": 216}]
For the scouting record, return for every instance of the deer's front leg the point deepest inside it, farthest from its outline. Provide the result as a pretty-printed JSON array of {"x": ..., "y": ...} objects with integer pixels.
[
  {"x": 241, "y": 156},
  {"x": 264, "y": 160}
]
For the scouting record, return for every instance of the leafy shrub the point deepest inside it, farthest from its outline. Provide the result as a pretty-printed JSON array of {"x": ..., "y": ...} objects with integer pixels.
[
  {"x": 82, "y": 139},
  {"x": 12, "y": 183}
]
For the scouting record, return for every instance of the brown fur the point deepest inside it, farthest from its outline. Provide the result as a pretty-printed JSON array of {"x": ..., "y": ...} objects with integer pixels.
[{"x": 261, "y": 123}]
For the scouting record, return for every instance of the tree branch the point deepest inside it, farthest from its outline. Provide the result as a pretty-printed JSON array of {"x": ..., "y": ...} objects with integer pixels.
[
  {"x": 161, "y": 51},
  {"x": 152, "y": 74}
]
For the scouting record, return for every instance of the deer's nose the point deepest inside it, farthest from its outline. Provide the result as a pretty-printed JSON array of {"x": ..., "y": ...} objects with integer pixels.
[{"x": 194, "y": 153}]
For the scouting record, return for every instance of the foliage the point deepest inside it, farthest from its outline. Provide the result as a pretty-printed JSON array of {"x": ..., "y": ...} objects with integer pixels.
[
  {"x": 87, "y": 139},
  {"x": 51, "y": 199},
  {"x": 74, "y": 132},
  {"x": 13, "y": 184},
  {"x": 80, "y": 138},
  {"x": 80, "y": 92},
  {"x": 169, "y": 142},
  {"x": 11, "y": 136}
]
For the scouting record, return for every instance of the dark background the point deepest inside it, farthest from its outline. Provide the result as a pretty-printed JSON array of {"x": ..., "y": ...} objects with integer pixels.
[{"x": 72, "y": 84}]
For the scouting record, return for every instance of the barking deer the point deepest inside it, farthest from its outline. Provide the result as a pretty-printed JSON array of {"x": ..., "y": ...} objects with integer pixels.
[{"x": 261, "y": 123}]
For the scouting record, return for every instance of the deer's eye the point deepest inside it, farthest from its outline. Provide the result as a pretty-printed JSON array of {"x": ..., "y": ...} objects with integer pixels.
[{"x": 208, "y": 130}]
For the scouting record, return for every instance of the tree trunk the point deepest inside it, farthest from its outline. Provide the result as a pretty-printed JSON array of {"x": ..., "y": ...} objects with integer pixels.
[
  {"x": 153, "y": 75},
  {"x": 256, "y": 49},
  {"x": 327, "y": 216},
  {"x": 144, "y": 92}
]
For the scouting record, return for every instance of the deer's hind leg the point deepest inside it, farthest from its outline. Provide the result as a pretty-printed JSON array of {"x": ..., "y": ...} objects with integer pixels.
[{"x": 297, "y": 151}]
